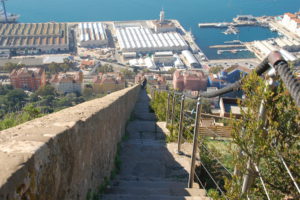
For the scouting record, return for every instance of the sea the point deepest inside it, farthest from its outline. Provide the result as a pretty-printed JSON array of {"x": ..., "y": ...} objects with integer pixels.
[{"x": 188, "y": 12}]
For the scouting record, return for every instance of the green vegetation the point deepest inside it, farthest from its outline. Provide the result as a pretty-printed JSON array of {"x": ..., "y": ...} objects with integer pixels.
[
  {"x": 261, "y": 142},
  {"x": 52, "y": 68},
  {"x": 127, "y": 73},
  {"x": 55, "y": 68},
  {"x": 29, "y": 112},
  {"x": 172, "y": 70},
  {"x": 105, "y": 68},
  {"x": 216, "y": 69},
  {"x": 8, "y": 67},
  {"x": 96, "y": 195},
  {"x": 18, "y": 107}
]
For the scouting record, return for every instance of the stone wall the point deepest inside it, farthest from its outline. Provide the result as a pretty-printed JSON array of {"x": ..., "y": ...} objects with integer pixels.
[{"x": 64, "y": 154}]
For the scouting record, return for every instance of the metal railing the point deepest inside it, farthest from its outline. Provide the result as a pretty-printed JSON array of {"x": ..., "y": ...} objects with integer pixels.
[{"x": 274, "y": 62}]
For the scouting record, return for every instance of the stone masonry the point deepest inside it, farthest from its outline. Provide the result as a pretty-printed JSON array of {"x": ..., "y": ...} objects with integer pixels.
[
  {"x": 64, "y": 154},
  {"x": 150, "y": 168}
]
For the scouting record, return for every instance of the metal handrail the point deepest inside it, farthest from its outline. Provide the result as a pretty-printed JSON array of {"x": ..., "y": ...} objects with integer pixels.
[
  {"x": 212, "y": 178},
  {"x": 262, "y": 181},
  {"x": 200, "y": 181},
  {"x": 227, "y": 170},
  {"x": 273, "y": 61},
  {"x": 289, "y": 172},
  {"x": 214, "y": 133}
]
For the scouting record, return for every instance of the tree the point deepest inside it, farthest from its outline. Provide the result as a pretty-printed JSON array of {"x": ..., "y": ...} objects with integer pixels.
[
  {"x": 127, "y": 73},
  {"x": 15, "y": 99},
  {"x": 46, "y": 90},
  {"x": 216, "y": 69},
  {"x": 263, "y": 142},
  {"x": 105, "y": 68},
  {"x": 54, "y": 68},
  {"x": 8, "y": 67},
  {"x": 64, "y": 67},
  {"x": 146, "y": 70},
  {"x": 172, "y": 70},
  {"x": 32, "y": 111},
  {"x": 33, "y": 97},
  {"x": 87, "y": 92}
]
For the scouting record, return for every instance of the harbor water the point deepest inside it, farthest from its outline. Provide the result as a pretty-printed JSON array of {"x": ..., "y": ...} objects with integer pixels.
[{"x": 189, "y": 13}]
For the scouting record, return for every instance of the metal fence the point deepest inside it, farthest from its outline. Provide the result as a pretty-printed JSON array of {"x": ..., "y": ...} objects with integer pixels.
[{"x": 192, "y": 122}]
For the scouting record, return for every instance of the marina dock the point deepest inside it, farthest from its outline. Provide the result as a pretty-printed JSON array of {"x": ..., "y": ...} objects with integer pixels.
[
  {"x": 227, "y": 46},
  {"x": 226, "y": 24},
  {"x": 240, "y": 20},
  {"x": 231, "y": 50}
]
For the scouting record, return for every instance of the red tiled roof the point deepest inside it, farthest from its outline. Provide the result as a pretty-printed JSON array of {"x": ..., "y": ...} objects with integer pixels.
[
  {"x": 290, "y": 15},
  {"x": 27, "y": 72},
  {"x": 65, "y": 78},
  {"x": 296, "y": 20},
  {"x": 88, "y": 62},
  {"x": 237, "y": 67}
]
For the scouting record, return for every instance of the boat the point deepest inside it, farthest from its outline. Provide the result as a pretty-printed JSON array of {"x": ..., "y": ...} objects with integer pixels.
[
  {"x": 233, "y": 42},
  {"x": 191, "y": 35},
  {"x": 245, "y": 18},
  {"x": 6, "y": 17},
  {"x": 231, "y": 30},
  {"x": 11, "y": 18}
]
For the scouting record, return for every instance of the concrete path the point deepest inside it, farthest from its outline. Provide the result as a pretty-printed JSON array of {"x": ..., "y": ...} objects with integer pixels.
[{"x": 151, "y": 169}]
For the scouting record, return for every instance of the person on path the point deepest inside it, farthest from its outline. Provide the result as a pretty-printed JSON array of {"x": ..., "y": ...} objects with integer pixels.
[{"x": 144, "y": 83}]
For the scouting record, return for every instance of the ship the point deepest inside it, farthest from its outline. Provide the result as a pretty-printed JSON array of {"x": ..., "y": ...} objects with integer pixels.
[
  {"x": 11, "y": 18},
  {"x": 231, "y": 30},
  {"x": 6, "y": 17}
]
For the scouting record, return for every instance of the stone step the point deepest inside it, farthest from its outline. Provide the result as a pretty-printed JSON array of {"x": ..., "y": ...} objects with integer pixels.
[
  {"x": 151, "y": 197},
  {"x": 128, "y": 177},
  {"x": 159, "y": 183},
  {"x": 143, "y": 191},
  {"x": 143, "y": 126},
  {"x": 146, "y": 142},
  {"x": 147, "y": 135},
  {"x": 145, "y": 116},
  {"x": 151, "y": 169}
]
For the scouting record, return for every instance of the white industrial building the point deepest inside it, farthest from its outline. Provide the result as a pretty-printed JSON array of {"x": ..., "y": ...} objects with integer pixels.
[
  {"x": 178, "y": 62},
  {"x": 165, "y": 58},
  {"x": 261, "y": 46},
  {"x": 34, "y": 38},
  {"x": 291, "y": 22},
  {"x": 190, "y": 59},
  {"x": 129, "y": 55},
  {"x": 92, "y": 34},
  {"x": 287, "y": 44},
  {"x": 143, "y": 63},
  {"x": 287, "y": 55},
  {"x": 143, "y": 40},
  {"x": 265, "y": 48}
]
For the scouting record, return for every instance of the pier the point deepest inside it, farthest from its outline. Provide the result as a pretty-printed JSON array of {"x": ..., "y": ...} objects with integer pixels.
[
  {"x": 231, "y": 51},
  {"x": 226, "y": 24},
  {"x": 227, "y": 46}
]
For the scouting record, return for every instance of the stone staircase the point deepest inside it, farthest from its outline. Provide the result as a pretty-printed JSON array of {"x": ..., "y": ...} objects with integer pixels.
[{"x": 151, "y": 169}]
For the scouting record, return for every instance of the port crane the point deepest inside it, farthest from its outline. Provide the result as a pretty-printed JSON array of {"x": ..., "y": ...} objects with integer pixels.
[{"x": 4, "y": 10}]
